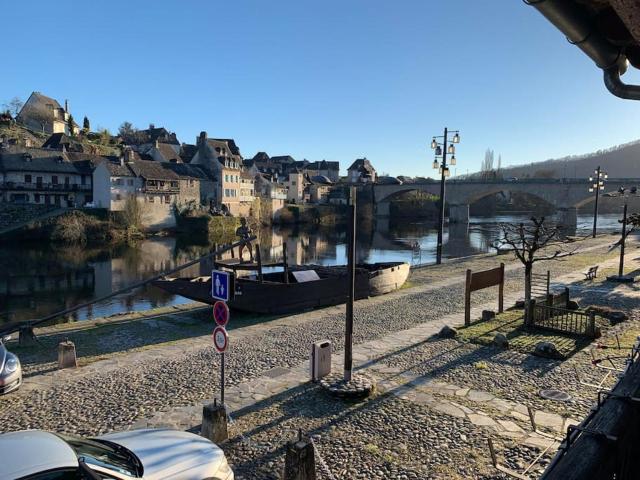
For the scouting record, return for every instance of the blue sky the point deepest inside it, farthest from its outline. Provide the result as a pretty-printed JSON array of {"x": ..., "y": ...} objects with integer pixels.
[{"x": 331, "y": 79}]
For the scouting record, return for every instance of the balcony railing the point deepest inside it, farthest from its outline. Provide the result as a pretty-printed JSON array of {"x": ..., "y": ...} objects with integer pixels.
[
  {"x": 56, "y": 187},
  {"x": 161, "y": 189}
]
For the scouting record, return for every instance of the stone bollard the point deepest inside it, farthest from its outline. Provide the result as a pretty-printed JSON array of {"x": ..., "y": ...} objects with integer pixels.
[
  {"x": 214, "y": 422},
  {"x": 67, "y": 355},
  {"x": 300, "y": 460}
]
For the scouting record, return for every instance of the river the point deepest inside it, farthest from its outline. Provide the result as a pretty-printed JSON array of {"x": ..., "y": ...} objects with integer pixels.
[{"x": 38, "y": 280}]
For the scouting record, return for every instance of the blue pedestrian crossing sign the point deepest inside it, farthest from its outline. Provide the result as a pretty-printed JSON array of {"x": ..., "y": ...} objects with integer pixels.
[{"x": 220, "y": 285}]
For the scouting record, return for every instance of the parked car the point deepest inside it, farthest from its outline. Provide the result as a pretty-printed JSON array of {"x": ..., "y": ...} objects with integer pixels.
[
  {"x": 150, "y": 454},
  {"x": 10, "y": 369}
]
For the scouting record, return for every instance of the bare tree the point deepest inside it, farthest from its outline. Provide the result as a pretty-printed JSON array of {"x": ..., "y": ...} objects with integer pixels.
[
  {"x": 14, "y": 106},
  {"x": 487, "y": 164},
  {"x": 531, "y": 243}
]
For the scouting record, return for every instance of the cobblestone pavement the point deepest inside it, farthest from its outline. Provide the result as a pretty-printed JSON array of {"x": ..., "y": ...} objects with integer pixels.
[{"x": 167, "y": 385}]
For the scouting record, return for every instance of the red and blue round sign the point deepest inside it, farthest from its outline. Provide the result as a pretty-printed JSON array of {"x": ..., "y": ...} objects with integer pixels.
[
  {"x": 220, "y": 339},
  {"x": 221, "y": 313}
]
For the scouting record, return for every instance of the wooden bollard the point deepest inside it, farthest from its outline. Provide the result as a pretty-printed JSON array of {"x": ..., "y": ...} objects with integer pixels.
[
  {"x": 67, "y": 355},
  {"x": 26, "y": 337},
  {"x": 300, "y": 460},
  {"x": 214, "y": 422}
]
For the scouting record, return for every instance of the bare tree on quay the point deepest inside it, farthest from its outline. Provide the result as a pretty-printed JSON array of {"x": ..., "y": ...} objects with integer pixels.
[{"x": 532, "y": 243}]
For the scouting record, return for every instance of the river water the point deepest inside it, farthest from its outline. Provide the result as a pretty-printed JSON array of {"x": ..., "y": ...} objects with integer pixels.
[{"x": 38, "y": 280}]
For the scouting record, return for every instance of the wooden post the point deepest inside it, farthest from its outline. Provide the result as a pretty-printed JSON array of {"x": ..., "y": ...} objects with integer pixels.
[
  {"x": 214, "y": 422},
  {"x": 467, "y": 299},
  {"x": 259, "y": 259},
  {"x": 592, "y": 324},
  {"x": 566, "y": 296},
  {"x": 501, "y": 290},
  {"x": 300, "y": 460},
  {"x": 285, "y": 261},
  {"x": 548, "y": 281}
]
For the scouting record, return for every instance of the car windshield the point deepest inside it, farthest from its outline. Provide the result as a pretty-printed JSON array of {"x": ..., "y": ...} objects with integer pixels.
[{"x": 104, "y": 454}]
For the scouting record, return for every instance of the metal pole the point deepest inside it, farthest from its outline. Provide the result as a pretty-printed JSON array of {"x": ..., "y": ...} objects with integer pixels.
[
  {"x": 348, "y": 335},
  {"x": 622, "y": 240},
  {"x": 442, "y": 193},
  {"x": 222, "y": 379},
  {"x": 595, "y": 209}
]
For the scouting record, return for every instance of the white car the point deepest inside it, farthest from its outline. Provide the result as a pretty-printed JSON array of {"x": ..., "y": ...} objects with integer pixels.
[
  {"x": 10, "y": 369},
  {"x": 150, "y": 454}
]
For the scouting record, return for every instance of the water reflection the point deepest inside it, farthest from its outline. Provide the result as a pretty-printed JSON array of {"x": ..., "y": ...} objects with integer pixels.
[{"x": 37, "y": 281}]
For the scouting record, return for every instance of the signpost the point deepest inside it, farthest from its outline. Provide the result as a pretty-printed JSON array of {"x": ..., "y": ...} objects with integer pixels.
[
  {"x": 220, "y": 287},
  {"x": 221, "y": 313}
]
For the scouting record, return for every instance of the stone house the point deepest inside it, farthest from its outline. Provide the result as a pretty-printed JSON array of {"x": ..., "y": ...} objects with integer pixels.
[
  {"x": 196, "y": 186},
  {"x": 319, "y": 188},
  {"x": 44, "y": 114},
  {"x": 271, "y": 193},
  {"x": 361, "y": 171},
  {"x": 114, "y": 182},
  {"x": 42, "y": 176},
  {"x": 221, "y": 159},
  {"x": 296, "y": 184}
]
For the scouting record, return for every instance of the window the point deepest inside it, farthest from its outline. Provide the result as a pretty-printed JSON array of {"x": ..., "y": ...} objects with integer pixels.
[
  {"x": 167, "y": 199},
  {"x": 63, "y": 474},
  {"x": 118, "y": 196},
  {"x": 118, "y": 181},
  {"x": 226, "y": 177},
  {"x": 293, "y": 182},
  {"x": 130, "y": 182},
  {"x": 226, "y": 192},
  {"x": 39, "y": 180},
  {"x": 150, "y": 198},
  {"x": 27, "y": 179},
  {"x": 36, "y": 198},
  {"x": 54, "y": 179},
  {"x": 66, "y": 180}
]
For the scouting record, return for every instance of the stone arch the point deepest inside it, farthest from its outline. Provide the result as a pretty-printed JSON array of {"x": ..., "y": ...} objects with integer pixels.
[{"x": 470, "y": 200}]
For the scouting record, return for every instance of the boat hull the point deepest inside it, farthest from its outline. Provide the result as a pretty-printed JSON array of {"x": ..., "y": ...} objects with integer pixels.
[{"x": 277, "y": 297}]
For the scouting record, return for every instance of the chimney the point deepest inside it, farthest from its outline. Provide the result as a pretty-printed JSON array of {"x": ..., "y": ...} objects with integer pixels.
[
  {"x": 157, "y": 145},
  {"x": 66, "y": 106},
  {"x": 151, "y": 126},
  {"x": 128, "y": 155},
  {"x": 201, "y": 140}
]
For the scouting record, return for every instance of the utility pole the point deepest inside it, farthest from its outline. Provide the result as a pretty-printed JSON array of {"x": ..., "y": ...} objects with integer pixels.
[{"x": 351, "y": 260}]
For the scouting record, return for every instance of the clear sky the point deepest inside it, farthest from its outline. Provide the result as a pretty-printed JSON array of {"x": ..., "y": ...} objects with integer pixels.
[{"x": 330, "y": 79}]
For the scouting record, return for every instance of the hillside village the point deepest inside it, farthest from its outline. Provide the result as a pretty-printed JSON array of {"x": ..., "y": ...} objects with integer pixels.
[{"x": 47, "y": 159}]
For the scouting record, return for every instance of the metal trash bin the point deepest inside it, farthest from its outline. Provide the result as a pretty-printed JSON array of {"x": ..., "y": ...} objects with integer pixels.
[{"x": 320, "y": 359}]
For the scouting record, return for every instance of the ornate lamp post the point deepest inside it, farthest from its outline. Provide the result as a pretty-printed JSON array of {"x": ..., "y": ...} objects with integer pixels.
[
  {"x": 596, "y": 184},
  {"x": 442, "y": 148},
  {"x": 625, "y": 193}
]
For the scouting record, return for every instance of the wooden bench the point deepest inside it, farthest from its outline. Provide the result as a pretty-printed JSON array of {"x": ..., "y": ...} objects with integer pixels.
[{"x": 591, "y": 273}]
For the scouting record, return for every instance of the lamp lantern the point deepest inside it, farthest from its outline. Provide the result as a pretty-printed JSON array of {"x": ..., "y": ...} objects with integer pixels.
[
  {"x": 456, "y": 138},
  {"x": 452, "y": 160},
  {"x": 434, "y": 144}
]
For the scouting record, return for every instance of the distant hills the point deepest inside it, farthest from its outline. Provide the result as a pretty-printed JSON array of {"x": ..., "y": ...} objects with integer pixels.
[{"x": 621, "y": 161}]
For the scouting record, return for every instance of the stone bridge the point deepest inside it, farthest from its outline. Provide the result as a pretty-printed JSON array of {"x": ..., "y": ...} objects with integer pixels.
[{"x": 566, "y": 195}]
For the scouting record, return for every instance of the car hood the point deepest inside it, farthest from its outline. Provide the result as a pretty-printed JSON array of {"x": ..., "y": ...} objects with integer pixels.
[{"x": 165, "y": 453}]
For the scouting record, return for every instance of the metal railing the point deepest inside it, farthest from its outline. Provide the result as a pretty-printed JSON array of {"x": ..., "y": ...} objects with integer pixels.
[
  {"x": 57, "y": 187},
  {"x": 562, "y": 320},
  {"x": 540, "y": 283}
]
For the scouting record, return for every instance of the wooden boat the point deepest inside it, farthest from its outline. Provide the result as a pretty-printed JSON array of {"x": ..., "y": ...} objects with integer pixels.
[{"x": 297, "y": 288}]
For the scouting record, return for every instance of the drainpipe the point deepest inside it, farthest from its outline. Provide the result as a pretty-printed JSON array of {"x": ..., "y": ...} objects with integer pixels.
[{"x": 573, "y": 20}]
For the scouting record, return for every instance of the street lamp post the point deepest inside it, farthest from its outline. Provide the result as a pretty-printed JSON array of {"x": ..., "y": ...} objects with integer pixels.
[
  {"x": 599, "y": 179},
  {"x": 623, "y": 192},
  {"x": 441, "y": 149}
]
